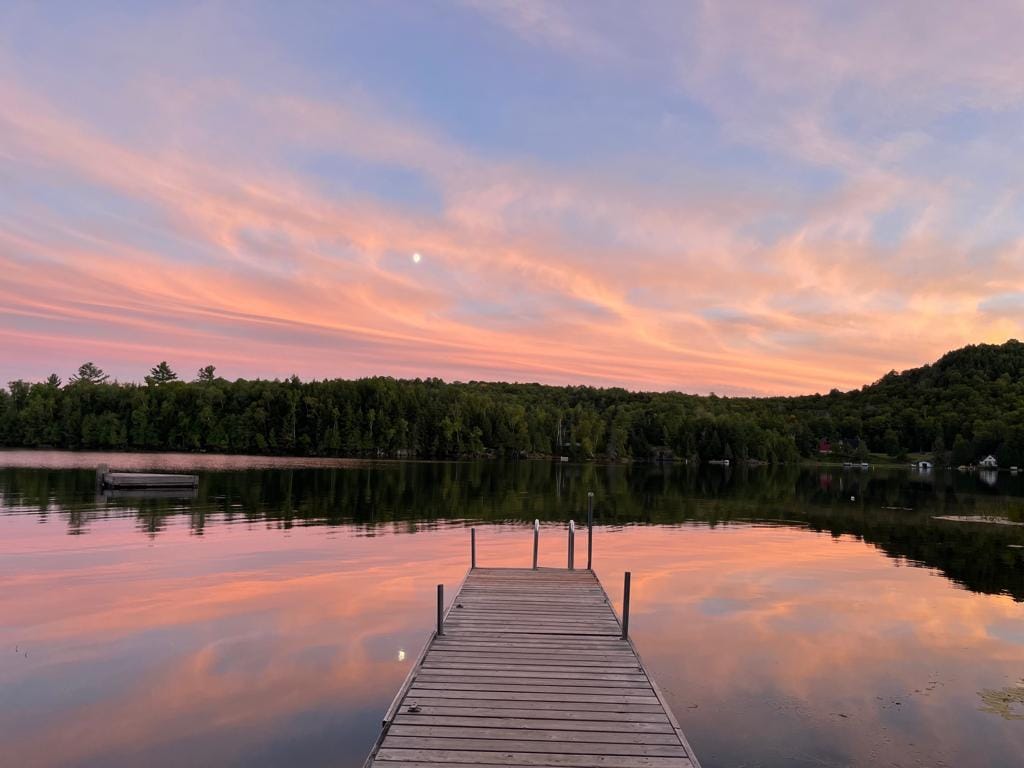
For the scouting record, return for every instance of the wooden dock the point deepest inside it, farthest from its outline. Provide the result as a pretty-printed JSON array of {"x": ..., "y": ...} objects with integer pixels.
[
  {"x": 142, "y": 480},
  {"x": 531, "y": 667}
]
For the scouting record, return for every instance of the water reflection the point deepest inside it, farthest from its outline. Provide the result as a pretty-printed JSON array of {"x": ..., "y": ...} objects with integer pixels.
[
  {"x": 896, "y": 510},
  {"x": 783, "y": 647},
  {"x": 270, "y": 620},
  {"x": 249, "y": 647},
  {"x": 179, "y": 494}
]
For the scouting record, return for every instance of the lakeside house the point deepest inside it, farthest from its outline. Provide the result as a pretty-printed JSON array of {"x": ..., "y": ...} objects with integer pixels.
[
  {"x": 989, "y": 462},
  {"x": 924, "y": 465}
]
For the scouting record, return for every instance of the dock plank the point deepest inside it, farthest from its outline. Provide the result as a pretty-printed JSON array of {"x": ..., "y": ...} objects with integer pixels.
[{"x": 531, "y": 670}]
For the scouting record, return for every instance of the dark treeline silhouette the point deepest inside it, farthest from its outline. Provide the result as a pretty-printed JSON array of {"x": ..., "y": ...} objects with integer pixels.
[{"x": 968, "y": 404}]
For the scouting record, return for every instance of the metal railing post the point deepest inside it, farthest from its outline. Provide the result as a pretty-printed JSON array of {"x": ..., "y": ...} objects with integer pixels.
[
  {"x": 440, "y": 609},
  {"x": 472, "y": 547},
  {"x": 625, "y": 607},
  {"x": 536, "y": 541},
  {"x": 572, "y": 543},
  {"x": 590, "y": 530}
]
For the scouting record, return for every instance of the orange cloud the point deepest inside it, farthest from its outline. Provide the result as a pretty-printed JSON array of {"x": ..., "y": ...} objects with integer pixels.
[{"x": 268, "y": 277}]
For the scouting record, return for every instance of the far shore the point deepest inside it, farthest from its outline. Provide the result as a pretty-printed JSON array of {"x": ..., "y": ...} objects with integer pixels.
[{"x": 88, "y": 458}]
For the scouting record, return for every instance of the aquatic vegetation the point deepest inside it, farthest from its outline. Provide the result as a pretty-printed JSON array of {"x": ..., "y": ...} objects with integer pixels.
[{"x": 1007, "y": 702}]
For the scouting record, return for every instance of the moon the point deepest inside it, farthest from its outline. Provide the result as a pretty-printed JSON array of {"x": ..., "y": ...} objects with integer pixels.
[{"x": 416, "y": 258}]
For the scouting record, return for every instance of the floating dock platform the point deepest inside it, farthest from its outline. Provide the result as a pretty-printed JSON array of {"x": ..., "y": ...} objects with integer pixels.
[
  {"x": 530, "y": 667},
  {"x": 142, "y": 480}
]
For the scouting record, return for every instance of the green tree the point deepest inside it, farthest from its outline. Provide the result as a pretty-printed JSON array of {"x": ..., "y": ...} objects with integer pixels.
[
  {"x": 975, "y": 394},
  {"x": 862, "y": 453},
  {"x": 89, "y": 374},
  {"x": 963, "y": 451},
  {"x": 161, "y": 374},
  {"x": 207, "y": 374}
]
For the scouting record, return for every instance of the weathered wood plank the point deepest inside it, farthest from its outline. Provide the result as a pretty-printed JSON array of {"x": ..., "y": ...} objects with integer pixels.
[
  {"x": 515, "y": 731},
  {"x": 426, "y": 704},
  {"x": 526, "y": 642},
  {"x": 527, "y": 623},
  {"x": 560, "y": 685},
  {"x": 429, "y": 757},
  {"x": 538, "y": 646},
  {"x": 530, "y": 720},
  {"x": 524, "y": 696},
  {"x": 590, "y": 632},
  {"x": 481, "y": 666},
  {"x": 538, "y": 663},
  {"x": 513, "y": 635},
  {"x": 499, "y": 677},
  {"x": 544, "y": 747}
]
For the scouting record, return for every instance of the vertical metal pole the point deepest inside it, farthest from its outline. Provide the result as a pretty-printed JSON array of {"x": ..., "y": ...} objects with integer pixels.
[
  {"x": 440, "y": 609},
  {"x": 536, "y": 541},
  {"x": 625, "y": 607},
  {"x": 572, "y": 543},
  {"x": 472, "y": 547},
  {"x": 101, "y": 472},
  {"x": 590, "y": 530}
]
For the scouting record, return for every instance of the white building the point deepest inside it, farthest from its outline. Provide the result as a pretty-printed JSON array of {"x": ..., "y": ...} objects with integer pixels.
[{"x": 989, "y": 461}]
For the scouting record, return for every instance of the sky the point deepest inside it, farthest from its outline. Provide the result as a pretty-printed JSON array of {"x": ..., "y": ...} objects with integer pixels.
[{"x": 738, "y": 197}]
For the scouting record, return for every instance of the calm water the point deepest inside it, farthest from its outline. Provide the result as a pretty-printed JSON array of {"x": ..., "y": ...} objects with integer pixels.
[{"x": 793, "y": 617}]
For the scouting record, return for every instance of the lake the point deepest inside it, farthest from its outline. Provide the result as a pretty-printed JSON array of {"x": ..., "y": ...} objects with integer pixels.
[{"x": 793, "y": 616}]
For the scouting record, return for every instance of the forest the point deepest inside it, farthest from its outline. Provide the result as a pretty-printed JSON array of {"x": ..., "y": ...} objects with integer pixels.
[{"x": 966, "y": 405}]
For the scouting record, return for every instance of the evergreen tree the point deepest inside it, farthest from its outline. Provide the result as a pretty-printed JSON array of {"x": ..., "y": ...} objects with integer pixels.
[
  {"x": 161, "y": 374},
  {"x": 963, "y": 452},
  {"x": 89, "y": 374}
]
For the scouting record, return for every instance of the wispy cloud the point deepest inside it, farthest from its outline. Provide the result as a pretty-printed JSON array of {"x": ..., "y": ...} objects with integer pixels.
[{"x": 804, "y": 254}]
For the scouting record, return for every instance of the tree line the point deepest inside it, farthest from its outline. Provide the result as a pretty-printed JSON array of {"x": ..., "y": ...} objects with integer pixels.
[{"x": 969, "y": 403}]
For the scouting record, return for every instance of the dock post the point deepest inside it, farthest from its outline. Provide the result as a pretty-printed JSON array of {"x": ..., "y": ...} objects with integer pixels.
[
  {"x": 590, "y": 530},
  {"x": 440, "y": 609},
  {"x": 625, "y": 607},
  {"x": 536, "y": 541},
  {"x": 572, "y": 543},
  {"x": 472, "y": 547},
  {"x": 101, "y": 472}
]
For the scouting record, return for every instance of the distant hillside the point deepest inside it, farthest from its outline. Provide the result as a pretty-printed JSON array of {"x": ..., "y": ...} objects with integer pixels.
[{"x": 968, "y": 404}]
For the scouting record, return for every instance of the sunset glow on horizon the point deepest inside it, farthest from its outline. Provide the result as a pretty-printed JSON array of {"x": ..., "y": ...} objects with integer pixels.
[{"x": 742, "y": 198}]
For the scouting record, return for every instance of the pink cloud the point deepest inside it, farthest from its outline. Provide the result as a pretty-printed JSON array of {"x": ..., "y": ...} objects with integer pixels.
[{"x": 326, "y": 288}]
